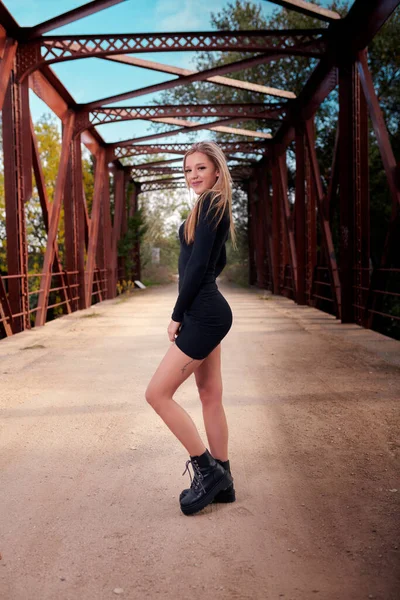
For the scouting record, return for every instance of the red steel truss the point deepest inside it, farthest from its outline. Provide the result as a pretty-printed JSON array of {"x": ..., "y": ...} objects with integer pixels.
[
  {"x": 291, "y": 248},
  {"x": 104, "y": 115},
  {"x": 53, "y": 49}
]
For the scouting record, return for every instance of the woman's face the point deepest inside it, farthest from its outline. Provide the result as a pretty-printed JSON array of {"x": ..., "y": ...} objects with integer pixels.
[{"x": 200, "y": 172}]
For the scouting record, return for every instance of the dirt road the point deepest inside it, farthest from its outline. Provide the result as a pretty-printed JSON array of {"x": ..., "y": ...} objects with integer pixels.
[{"x": 90, "y": 476}]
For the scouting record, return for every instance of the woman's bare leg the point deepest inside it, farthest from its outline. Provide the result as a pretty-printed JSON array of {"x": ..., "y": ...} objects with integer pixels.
[
  {"x": 209, "y": 383},
  {"x": 172, "y": 371}
]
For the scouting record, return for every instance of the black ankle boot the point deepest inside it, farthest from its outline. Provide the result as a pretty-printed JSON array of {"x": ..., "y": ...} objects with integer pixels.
[
  {"x": 224, "y": 496},
  {"x": 209, "y": 478}
]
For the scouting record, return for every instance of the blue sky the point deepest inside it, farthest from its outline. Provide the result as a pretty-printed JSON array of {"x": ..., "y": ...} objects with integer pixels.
[{"x": 92, "y": 79}]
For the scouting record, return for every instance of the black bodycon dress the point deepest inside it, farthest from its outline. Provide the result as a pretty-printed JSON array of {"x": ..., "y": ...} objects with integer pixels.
[{"x": 202, "y": 310}]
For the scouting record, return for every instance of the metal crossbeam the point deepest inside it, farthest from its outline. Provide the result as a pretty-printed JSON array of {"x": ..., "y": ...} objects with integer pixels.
[
  {"x": 72, "y": 15},
  {"x": 207, "y": 75},
  {"x": 172, "y": 185},
  {"x": 105, "y": 115},
  {"x": 220, "y": 80},
  {"x": 308, "y": 9},
  {"x": 55, "y": 49},
  {"x": 190, "y": 126},
  {"x": 227, "y": 147}
]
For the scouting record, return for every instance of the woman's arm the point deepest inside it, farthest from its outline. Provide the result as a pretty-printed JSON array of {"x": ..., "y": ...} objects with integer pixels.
[
  {"x": 198, "y": 262},
  {"x": 221, "y": 262}
]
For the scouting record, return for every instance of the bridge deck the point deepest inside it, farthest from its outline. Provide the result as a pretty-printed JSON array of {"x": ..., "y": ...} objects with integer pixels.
[{"x": 90, "y": 476}]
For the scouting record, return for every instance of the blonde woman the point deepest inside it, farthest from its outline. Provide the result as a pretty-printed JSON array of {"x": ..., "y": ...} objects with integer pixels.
[{"x": 201, "y": 318}]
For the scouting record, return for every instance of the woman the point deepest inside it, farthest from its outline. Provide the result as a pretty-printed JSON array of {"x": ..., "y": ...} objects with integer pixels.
[{"x": 201, "y": 318}]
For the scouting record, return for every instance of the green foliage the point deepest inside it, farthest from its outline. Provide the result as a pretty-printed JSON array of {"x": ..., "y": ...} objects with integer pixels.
[{"x": 136, "y": 229}]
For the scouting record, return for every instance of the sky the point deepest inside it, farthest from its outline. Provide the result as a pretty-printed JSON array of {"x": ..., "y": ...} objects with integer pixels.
[{"x": 92, "y": 79}]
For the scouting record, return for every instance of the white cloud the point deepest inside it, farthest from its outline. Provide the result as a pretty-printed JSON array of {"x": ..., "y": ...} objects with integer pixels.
[{"x": 186, "y": 15}]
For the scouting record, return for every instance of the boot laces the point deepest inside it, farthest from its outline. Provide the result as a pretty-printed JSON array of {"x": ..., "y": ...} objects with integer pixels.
[{"x": 196, "y": 481}]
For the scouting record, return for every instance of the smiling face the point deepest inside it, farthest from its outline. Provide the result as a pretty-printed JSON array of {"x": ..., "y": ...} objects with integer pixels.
[{"x": 200, "y": 172}]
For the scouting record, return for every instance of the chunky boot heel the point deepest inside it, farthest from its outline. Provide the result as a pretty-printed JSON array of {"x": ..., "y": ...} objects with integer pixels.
[
  {"x": 224, "y": 496},
  {"x": 209, "y": 479},
  {"x": 228, "y": 495}
]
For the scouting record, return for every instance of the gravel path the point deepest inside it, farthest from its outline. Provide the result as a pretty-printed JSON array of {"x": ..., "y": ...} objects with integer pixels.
[{"x": 90, "y": 476}]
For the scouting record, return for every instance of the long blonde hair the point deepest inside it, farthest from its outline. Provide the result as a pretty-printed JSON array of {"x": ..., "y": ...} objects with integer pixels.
[{"x": 221, "y": 190}]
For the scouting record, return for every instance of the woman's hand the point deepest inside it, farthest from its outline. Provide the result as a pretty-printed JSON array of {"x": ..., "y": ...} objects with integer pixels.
[{"x": 173, "y": 330}]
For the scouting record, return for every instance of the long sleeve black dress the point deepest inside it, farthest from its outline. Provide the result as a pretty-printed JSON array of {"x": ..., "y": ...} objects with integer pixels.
[{"x": 202, "y": 310}]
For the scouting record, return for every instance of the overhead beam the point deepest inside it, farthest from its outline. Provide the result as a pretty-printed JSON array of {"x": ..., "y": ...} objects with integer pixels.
[
  {"x": 190, "y": 126},
  {"x": 227, "y": 147},
  {"x": 205, "y": 75},
  {"x": 214, "y": 126},
  {"x": 227, "y": 81},
  {"x": 308, "y": 9},
  {"x": 7, "y": 21},
  {"x": 155, "y": 162},
  {"x": 105, "y": 115},
  {"x": 55, "y": 49},
  {"x": 69, "y": 17},
  {"x": 173, "y": 179},
  {"x": 172, "y": 185}
]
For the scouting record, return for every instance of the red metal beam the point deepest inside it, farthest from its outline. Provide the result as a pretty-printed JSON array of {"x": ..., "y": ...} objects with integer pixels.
[
  {"x": 308, "y": 9},
  {"x": 46, "y": 211},
  {"x": 6, "y": 65},
  {"x": 178, "y": 178},
  {"x": 212, "y": 126},
  {"x": 5, "y": 310},
  {"x": 300, "y": 216},
  {"x": 155, "y": 187},
  {"x": 196, "y": 76},
  {"x": 391, "y": 244},
  {"x": 69, "y": 17},
  {"x": 220, "y": 80},
  {"x": 311, "y": 229},
  {"x": 389, "y": 162},
  {"x": 104, "y": 115},
  {"x": 107, "y": 239},
  {"x": 8, "y": 21},
  {"x": 155, "y": 162},
  {"x": 276, "y": 227},
  {"x": 100, "y": 175},
  {"x": 45, "y": 280},
  {"x": 324, "y": 221},
  {"x": 288, "y": 221},
  {"x": 47, "y": 92},
  {"x": 53, "y": 49},
  {"x": 119, "y": 208},
  {"x": 18, "y": 190},
  {"x": 227, "y": 147},
  {"x": 81, "y": 218}
]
